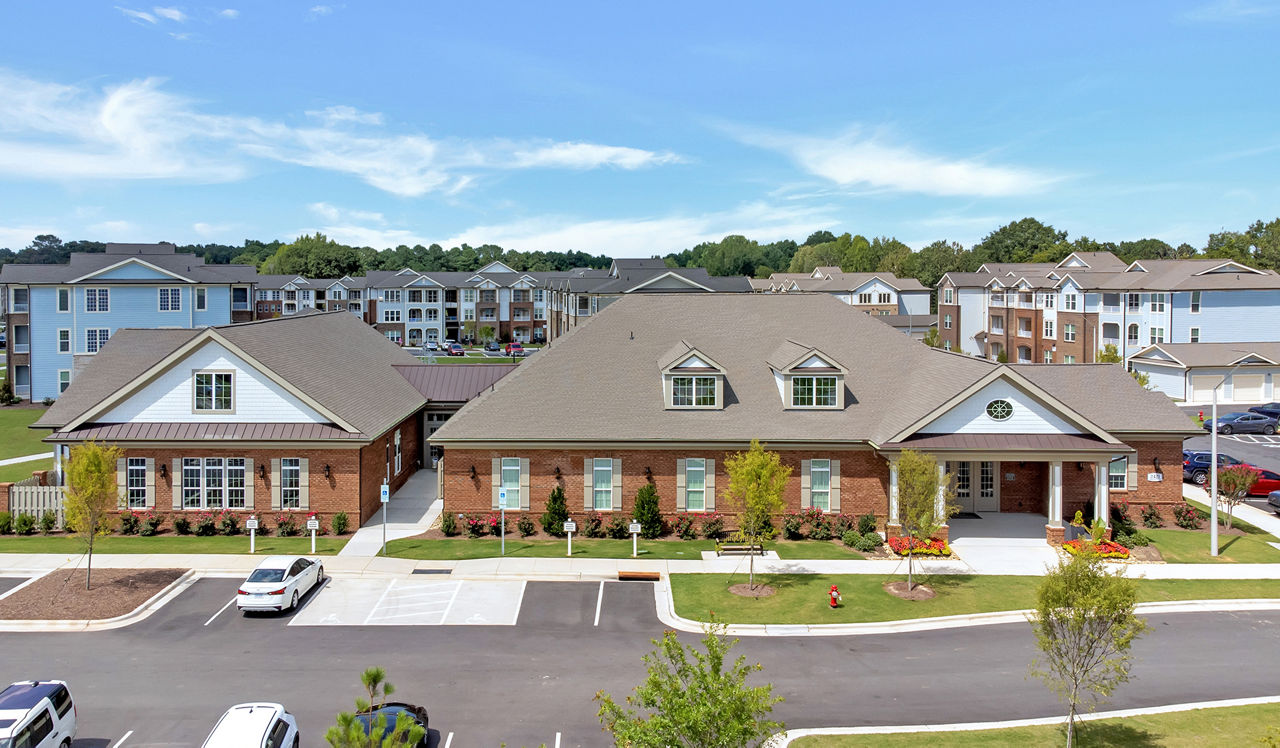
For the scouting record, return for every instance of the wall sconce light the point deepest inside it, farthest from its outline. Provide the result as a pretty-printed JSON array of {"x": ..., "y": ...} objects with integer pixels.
[
  {"x": 1156, "y": 463},
  {"x": 648, "y": 473},
  {"x": 1022, "y": 464},
  {"x": 164, "y": 470},
  {"x": 326, "y": 472},
  {"x": 262, "y": 471},
  {"x": 473, "y": 471},
  {"x": 1079, "y": 467},
  {"x": 557, "y": 472}
]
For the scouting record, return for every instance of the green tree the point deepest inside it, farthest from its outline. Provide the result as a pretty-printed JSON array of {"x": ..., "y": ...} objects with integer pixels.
[
  {"x": 1265, "y": 238},
  {"x": 647, "y": 512},
  {"x": 1018, "y": 242},
  {"x": 351, "y": 733},
  {"x": 1084, "y": 624},
  {"x": 692, "y": 699},
  {"x": 1233, "y": 487},
  {"x": 486, "y": 334},
  {"x": 932, "y": 338},
  {"x": 1109, "y": 354},
  {"x": 91, "y": 494},
  {"x": 756, "y": 481},
  {"x": 921, "y": 513},
  {"x": 557, "y": 513}
]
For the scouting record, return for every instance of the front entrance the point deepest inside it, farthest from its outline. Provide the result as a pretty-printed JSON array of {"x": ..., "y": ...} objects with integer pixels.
[{"x": 977, "y": 487}]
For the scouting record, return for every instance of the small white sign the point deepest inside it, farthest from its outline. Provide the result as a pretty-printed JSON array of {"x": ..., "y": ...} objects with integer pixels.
[
  {"x": 502, "y": 497},
  {"x": 635, "y": 528},
  {"x": 1155, "y": 477},
  {"x": 313, "y": 524},
  {"x": 386, "y": 493},
  {"x": 251, "y": 524},
  {"x": 571, "y": 526}
]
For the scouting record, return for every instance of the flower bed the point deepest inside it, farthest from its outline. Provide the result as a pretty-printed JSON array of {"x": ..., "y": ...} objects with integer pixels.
[
  {"x": 1105, "y": 549},
  {"x": 932, "y": 547}
]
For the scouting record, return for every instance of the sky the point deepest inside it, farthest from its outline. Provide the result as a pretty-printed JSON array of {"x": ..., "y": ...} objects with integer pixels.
[{"x": 634, "y": 129}]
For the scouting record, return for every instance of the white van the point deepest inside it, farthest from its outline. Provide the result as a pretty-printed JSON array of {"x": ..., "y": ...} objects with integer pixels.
[
  {"x": 253, "y": 726},
  {"x": 37, "y": 714}
]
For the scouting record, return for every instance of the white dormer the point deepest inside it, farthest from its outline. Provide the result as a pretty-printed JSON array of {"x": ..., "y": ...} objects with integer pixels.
[
  {"x": 692, "y": 380},
  {"x": 497, "y": 266},
  {"x": 807, "y": 378}
]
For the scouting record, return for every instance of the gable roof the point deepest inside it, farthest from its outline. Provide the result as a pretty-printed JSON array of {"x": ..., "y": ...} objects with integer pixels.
[
  {"x": 1194, "y": 355},
  {"x": 182, "y": 267}
]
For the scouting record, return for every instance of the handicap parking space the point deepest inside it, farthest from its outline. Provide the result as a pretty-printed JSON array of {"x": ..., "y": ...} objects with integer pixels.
[{"x": 400, "y": 602}]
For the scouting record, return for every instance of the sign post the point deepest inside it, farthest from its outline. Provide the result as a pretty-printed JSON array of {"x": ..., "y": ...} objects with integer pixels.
[
  {"x": 251, "y": 525},
  {"x": 502, "y": 509},
  {"x": 569, "y": 528},
  {"x": 635, "y": 533},
  {"x": 385, "y": 498},
  {"x": 313, "y": 524}
]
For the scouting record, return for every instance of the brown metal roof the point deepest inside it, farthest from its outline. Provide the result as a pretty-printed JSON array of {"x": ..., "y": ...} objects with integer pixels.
[
  {"x": 1009, "y": 443},
  {"x": 453, "y": 383},
  {"x": 191, "y": 432}
]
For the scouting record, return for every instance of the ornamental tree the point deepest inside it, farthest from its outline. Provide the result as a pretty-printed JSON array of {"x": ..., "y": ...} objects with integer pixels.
[
  {"x": 1233, "y": 486},
  {"x": 557, "y": 513},
  {"x": 91, "y": 495},
  {"x": 920, "y": 511},
  {"x": 1084, "y": 624},
  {"x": 647, "y": 512},
  {"x": 692, "y": 699},
  {"x": 756, "y": 481},
  {"x": 352, "y": 733}
]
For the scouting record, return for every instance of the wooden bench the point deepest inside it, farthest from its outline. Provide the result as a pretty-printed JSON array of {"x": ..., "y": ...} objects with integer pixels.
[
  {"x": 639, "y": 576},
  {"x": 740, "y": 550}
]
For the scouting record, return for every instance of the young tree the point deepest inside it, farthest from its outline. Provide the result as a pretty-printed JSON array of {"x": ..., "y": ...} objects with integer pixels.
[
  {"x": 352, "y": 733},
  {"x": 486, "y": 334},
  {"x": 1233, "y": 486},
  {"x": 918, "y": 510},
  {"x": 1084, "y": 625},
  {"x": 693, "y": 699},
  {"x": 557, "y": 513},
  {"x": 91, "y": 494},
  {"x": 647, "y": 512},
  {"x": 756, "y": 481},
  {"x": 931, "y": 338}
]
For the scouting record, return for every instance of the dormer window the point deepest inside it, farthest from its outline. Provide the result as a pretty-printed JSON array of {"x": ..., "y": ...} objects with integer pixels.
[
  {"x": 810, "y": 380},
  {"x": 687, "y": 392},
  {"x": 813, "y": 392},
  {"x": 691, "y": 379}
]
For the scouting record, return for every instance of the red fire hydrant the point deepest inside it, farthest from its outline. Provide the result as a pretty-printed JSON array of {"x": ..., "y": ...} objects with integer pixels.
[
  {"x": 1201, "y": 415},
  {"x": 835, "y": 596}
]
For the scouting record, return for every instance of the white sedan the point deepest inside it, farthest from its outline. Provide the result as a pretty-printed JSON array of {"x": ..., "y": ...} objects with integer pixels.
[{"x": 278, "y": 583}]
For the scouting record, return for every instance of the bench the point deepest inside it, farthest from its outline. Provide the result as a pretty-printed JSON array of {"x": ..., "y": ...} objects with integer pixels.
[
  {"x": 639, "y": 576},
  {"x": 740, "y": 550}
]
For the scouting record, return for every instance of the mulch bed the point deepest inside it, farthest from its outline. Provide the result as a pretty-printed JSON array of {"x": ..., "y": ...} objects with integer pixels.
[
  {"x": 745, "y": 590},
  {"x": 919, "y": 592},
  {"x": 59, "y": 596}
]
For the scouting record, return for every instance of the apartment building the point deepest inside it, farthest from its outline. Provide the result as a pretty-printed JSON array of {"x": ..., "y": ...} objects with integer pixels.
[
  {"x": 59, "y": 316},
  {"x": 283, "y": 295},
  {"x": 877, "y": 294},
  {"x": 1066, "y": 312}
]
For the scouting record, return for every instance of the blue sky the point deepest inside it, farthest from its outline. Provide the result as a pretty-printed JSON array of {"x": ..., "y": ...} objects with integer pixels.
[{"x": 634, "y": 129}]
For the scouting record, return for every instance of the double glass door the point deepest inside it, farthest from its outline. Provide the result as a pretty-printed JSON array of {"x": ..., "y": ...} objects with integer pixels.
[{"x": 977, "y": 489}]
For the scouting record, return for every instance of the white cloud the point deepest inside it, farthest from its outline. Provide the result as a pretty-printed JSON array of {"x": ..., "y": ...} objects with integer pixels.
[
  {"x": 333, "y": 213},
  {"x": 321, "y": 10},
  {"x": 18, "y": 237},
  {"x": 173, "y": 14},
  {"x": 137, "y": 15},
  {"x": 334, "y": 115},
  {"x": 868, "y": 160},
  {"x": 1232, "y": 10},
  {"x": 229, "y": 13},
  {"x": 589, "y": 156},
  {"x": 180, "y": 36}
]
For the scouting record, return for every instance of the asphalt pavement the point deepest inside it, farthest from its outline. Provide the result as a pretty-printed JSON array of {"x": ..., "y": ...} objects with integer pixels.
[{"x": 167, "y": 679}]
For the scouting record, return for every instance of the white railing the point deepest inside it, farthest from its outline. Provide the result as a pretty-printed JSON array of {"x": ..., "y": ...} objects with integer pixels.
[
  {"x": 20, "y": 308},
  {"x": 21, "y": 347},
  {"x": 22, "y": 390}
]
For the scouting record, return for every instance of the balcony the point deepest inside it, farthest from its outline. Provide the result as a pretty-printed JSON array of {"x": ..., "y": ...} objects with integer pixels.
[
  {"x": 1111, "y": 341},
  {"x": 21, "y": 347},
  {"x": 240, "y": 306},
  {"x": 19, "y": 307},
  {"x": 22, "y": 390}
]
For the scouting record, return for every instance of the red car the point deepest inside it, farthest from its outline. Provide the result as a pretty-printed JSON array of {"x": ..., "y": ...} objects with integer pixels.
[
  {"x": 515, "y": 349},
  {"x": 1267, "y": 482},
  {"x": 456, "y": 350}
]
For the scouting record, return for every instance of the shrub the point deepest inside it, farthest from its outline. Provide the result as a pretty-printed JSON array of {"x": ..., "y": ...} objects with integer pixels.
[
  {"x": 684, "y": 527},
  {"x": 868, "y": 542},
  {"x": 24, "y": 524},
  {"x": 820, "y": 529},
  {"x": 843, "y": 523},
  {"x": 320, "y": 529},
  {"x": 286, "y": 525},
  {"x": 526, "y": 527},
  {"x": 205, "y": 525},
  {"x": 6, "y": 394},
  {"x": 1105, "y": 548},
  {"x": 1139, "y": 540},
  {"x": 340, "y": 522},
  {"x": 593, "y": 525},
  {"x": 495, "y": 525},
  {"x": 1151, "y": 517},
  {"x": 6, "y": 523},
  {"x": 129, "y": 521},
  {"x": 1121, "y": 522},
  {"x": 931, "y": 547},
  {"x": 182, "y": 524},
  {"x": 475, "y": 525},
  {"x": 448, "y": 525},
  {"x": 151, "y": 523},
  {"x": 793, "y": 526},
  {"x": 1186, "y": 516},
  {"x": 557, "y": 513},
  {"x": 850, "y": 538},
  {"x": 647, "y": 512},
  {"x": 712, "y": 525},
  {"x": 228, "y": 523},
  {"x": 866, "y": 524},
  {"x": 618, "y": 528},
  {"x": 48, "y": 521}
]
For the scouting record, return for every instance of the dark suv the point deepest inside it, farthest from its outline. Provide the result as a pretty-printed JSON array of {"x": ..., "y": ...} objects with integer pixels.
[
  {"x": 1195, "y": 465},
  {"x": 1270, "y": 410}
]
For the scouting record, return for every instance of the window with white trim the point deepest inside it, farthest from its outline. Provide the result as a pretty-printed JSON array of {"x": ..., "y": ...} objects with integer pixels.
[
  {"x": 64, "y": 341},
  {"x": 1133, "y": 333},
  {"x": 213, "y": 483},
  {"x": 1068, "y": 359},
  {"x": 468, "y": 296},
  {"x": 1118, "y": 474},
  {"x": 1135, "y": 302},
  {"x": 291, "y": 483},
  {"x": 695, "y": 484},
  {"x": 1195, "y": 335},
  {"x": 688, "y": 392},
  {"x": 202, "y": 299},
  {"x": 399, "y": 458},
  {"x": 946, "y": 321},
  {"x": 390, "y": 315},
  {"x": 1070, "y": 302},
  {"x": 170, "y": 299},
  {"x": 1069, "y": 333},
  {"x": 948, "y": 296},
  {"x": 391, "y": 296},
  {"x": 136, "y": 483},
  {"x": 1048, "y": 328},
  {"x": 415, "y": 296},
  {"x": 1157, "y": 302},
  {"x": 1048, "y": 357},
  {"x": 1195, "y": 302},
  {"x": 511, "y": 481},
  {"x": 469, "y": 314},
  {"x": 813, "y": 392},
  {"x": 64, "y": 299},
  {"x": 64, "y": 380},
  {"x": 820, "y": 484},
  {"x": 884, "y": 298},
  {"x": 97, "y": 300},
  {"x": 864, "y": 298},
  {"x": 1157, "y": 335},
  {"x": 213, "y": 391},
  {"x": 946, "y": 345},
  {"x": 1050, "y": 299},
  {"x": 95, "y": 338},
  {"x": 601, "y": 484}
]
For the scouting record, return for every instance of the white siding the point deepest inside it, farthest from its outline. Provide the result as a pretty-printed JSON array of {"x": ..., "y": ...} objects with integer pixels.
[
  {"x": 169, "y": 399},
  {"x": 973, "y": 317},
  {"x": 1029, "y": 416}
]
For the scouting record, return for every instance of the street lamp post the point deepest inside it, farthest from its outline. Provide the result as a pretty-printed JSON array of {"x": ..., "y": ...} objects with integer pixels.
[{"x": 1213, "y": 462}]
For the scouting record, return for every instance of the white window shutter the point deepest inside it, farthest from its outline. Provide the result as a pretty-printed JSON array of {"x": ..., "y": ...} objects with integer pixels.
[
  {"x": 122, "y": 467},
  {"x": 175, "y": 483},
  {"x": 615, "y": 496},
  {"x": 835, "y": 486},
  {"x": 680, "y": 488},
  {"x": 275, "y": 484},
  {"x": 524, "y": 483},
  {"x": 1132, "y": 483},
  {"x": 304, "y": 483},
  {"x": 710, "y": 479},
  {"x": 806, "y": 499},
  {"x": 495, "y": 481},
  {"x": 586, "y": 484},
  {"x": 249, "y": 479},
  {"x": 151, "y": 483}
]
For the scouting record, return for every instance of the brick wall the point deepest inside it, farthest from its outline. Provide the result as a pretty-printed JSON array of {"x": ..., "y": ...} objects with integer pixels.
[
  {"x": 1164, "y": 494},
  {"x": 373, "y": 464},
  {"x": 953, "y": 334}
]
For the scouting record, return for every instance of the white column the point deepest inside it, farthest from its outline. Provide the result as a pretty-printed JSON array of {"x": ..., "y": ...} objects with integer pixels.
[
  {"x": 57, "y": 464},
  {"x": 939, "y": 503},
  {"x": 1101, "y": 492},
  {"x": 1055, "y": 493},
  {"x": 893, "y": 492}
]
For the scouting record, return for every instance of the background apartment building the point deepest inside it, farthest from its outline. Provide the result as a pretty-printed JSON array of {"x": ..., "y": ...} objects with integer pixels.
[{"x": 877, "y": 294}]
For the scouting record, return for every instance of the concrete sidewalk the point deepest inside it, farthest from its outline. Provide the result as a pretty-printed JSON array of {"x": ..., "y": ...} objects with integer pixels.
[
  {"x": 1259, "y": 518},
  {"x": 411, "y": 511}
]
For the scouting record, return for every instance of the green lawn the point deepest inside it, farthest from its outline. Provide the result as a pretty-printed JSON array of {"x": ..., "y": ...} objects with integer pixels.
[
  {"x": 166, "y": 543},
  {"x": 802, "y": 598},
  {"x": 464, "y": 548},
  {"x": 1235, "y": 725},
  {"x": 16, "y": 440},
  {"x": 23, "y": 470},
  {"x": 1192, "y": 547}
]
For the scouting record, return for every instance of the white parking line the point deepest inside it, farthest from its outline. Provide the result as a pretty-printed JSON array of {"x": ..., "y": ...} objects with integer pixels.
[
  {"x": 599, "y": 600},
  {"x": 374, "y": 609},
  {"x": 448, "y": 741},
  {"x": 452, "y": 599},
  {"x": 557, "y": 740},
  {"x": 215, "y": 615},
  {"x": 121, "y": 740}
]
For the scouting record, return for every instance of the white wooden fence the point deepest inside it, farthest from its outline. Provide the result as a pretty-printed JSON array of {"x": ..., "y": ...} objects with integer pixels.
[{"x": 35, "y": 500}]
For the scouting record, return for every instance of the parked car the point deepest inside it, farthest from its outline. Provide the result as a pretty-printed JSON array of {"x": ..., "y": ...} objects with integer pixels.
[
  {"x": 448, "y": 342},
  {"x": 37, "y": 714},
  {"x": 1195, "y": 465},
  {"x": 492, "y": 345},
  {"x": 392, "y": 711},
  {"x": 278, "y": 583},
  {"x": 1271, "y": 410},
  {"x": 1244, "y": 423},
  {"x": 456, "y": 350},
  {"x": 1273, "y": 501},
  {"x": 1267, "y": 482},
  {"x": 514, "y": 349},
  {"x": 433, "y": 345},
  {"x": 257, "y": 725}
]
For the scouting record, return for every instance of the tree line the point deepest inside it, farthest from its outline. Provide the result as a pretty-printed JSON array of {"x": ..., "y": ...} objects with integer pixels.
[{"x": 1025, "y": 240}]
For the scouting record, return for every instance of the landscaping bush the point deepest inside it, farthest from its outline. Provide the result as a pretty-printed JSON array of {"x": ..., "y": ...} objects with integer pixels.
[
  {"x": 866, "y": 524},
  {"x": 557, "y": 513},
  {"x": 685, "y": 528},
  {"x": 340, "y": 523},
  {"x": 712, "y": 525},
  {"x": 1121, "y": 522},
  {"x": 850, "y": 538},
  {"x": 1151, "y": 517},
  {"x": 868, "y": 542},
  {"x": 526, "y": 527},
  {"x": 647, "y": 512},
  {"x": 150, "y": 524},
  {"x": 793, "y": 526},
  {"x": 618, "y": 528},
  {"x": 6, "y": 523},
  {"x": 593, "y": 525},
  {"x": 495, "y": 525},
  {"x": 206, "y": 525},
  {"x": 475, "y": 525},
  {"x": 1105, "y": 548},
  {"x": 820, "y": 528},
  {"x": 47, "y": 401},
  {"x": 843, "y": 523},
  {"x": 24, "y": 524},
  {"x": 228, "y": 523},
  {"x": 48, "y": 521},
  {"x": 1186, "y": 516},
  {"x": 181, "y": 524},
  {"x": 129, "y": 521},
  {"x": 448, "y": 525},
  {"x": 286, "y": 526},
  {"x": 931, "y": 547},
  {"x": 1138, "y": 539}
]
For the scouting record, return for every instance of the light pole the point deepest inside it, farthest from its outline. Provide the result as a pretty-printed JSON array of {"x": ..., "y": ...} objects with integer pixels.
[{"x": 1213, "y": 461}]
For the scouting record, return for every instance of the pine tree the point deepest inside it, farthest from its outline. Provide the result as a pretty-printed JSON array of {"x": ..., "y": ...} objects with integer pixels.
[
  {"x": 557, "y": 513},
  {"x": 647, "y": 512}
]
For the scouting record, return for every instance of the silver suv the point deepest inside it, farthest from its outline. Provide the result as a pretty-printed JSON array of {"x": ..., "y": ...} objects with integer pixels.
[{"x": 37, "y": 714}]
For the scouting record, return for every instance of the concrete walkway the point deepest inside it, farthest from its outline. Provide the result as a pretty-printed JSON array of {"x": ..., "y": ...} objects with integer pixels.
[
  {"x": 411, "y": 511},
  {"x": 1259, "y": 518}
]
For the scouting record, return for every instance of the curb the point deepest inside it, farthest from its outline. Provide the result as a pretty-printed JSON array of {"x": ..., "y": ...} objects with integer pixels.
[
  {"x": 783, "y": 739},
  {"x": 142, "y": 612},
  {"x": 665, "y": 605}
]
